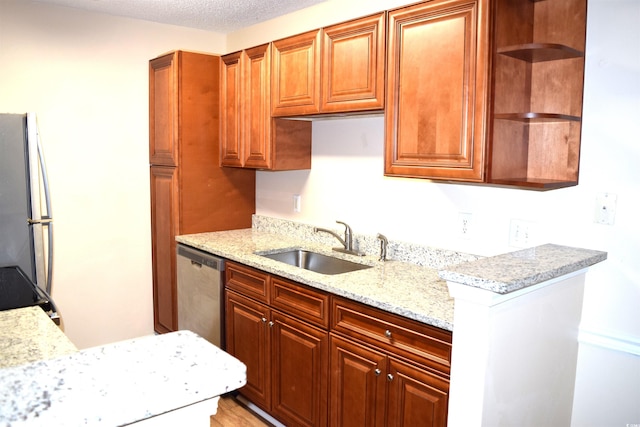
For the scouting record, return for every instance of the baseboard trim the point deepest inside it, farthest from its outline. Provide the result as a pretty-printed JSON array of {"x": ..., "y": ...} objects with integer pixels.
[
  {"x": 623, "y": 343},
  {"x": 262, "y": 414}
]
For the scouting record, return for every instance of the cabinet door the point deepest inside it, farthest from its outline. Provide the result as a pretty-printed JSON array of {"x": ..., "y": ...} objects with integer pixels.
[
  {"x": 164, "y": 220},
  {"x": 257, "y": 104},
  {"x": 300, "y": 372},
  {"x": 247, "y": 337},
  {"x": 295, "y": 86},
  {"x": 163, "y": 110},
  {"x": 353, "y": 60},
  {"x": 358, "y": 385},
  {"x": 416, "y": 397},
  {"x": 231, "y": 111},
  {"x": 437, "y": 90}
]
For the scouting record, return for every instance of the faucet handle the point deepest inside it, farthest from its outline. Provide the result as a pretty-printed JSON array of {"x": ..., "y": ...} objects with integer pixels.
[
  {"x": 384, "y": 242},
  {"x": 348, "y": 239}
]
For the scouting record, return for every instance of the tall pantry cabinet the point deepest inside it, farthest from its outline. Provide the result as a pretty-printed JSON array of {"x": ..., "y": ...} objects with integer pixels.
[{"x": 190, "y": 192}]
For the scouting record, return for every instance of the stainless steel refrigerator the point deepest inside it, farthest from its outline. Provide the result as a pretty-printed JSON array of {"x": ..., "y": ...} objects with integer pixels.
[{"x": 26, "y": 228}]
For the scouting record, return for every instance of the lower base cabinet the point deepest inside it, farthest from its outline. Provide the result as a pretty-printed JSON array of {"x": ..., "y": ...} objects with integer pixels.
[
  {"x": 358, "y": 367},
  {"x": 247, "y": 339},
  {"x": 358, "y": 387},
  {"x": 371, "y": 388},
  {"x": 416, "y": 397},
  {"x": 299, "y": 375},
  {"x": 287, "y": 359}
]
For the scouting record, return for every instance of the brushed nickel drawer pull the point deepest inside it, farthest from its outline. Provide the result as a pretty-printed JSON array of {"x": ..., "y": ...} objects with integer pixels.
[{"x": 387, "y": 333}]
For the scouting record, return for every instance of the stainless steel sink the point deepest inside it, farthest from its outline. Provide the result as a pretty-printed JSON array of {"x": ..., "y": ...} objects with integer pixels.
[{"x": 316, "y": 262}]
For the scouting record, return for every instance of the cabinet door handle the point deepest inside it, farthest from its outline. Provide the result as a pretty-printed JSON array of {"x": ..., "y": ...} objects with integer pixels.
[
  {"x": 271, "y": 324},
  {"x": 264, "y": 320},
  {"x": 387, "y": 333},
  {"x": 389, "y": 377},
  {"x": 377, "y": 372}
]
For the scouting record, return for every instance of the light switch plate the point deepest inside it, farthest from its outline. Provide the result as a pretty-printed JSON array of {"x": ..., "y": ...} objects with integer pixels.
[
  {"x": 297, "y": 202},
  {"x": 605, "y": 209}
]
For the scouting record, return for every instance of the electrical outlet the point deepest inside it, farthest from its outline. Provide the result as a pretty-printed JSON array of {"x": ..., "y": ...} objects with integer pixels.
[
  {"x": 605, "y": 210},
  {"x": 297, "y": 202},
  {"x": 465, "y": 225},
  {"x": 521, "y": 233}
]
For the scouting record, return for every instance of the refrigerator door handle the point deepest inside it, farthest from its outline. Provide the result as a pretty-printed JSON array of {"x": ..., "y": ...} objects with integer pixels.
[
  {"x": 40, "y": 221},
  {"x": 40, "y": 216}
]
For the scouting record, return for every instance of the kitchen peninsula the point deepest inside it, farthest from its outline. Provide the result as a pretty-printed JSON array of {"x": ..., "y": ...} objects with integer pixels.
[
  {"x": 514, "y": 317},
  {"x": 154, "y": 380}
]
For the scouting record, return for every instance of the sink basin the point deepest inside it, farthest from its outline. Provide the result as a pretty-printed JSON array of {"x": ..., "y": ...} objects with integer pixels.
[{"x": 316, "y": 262}]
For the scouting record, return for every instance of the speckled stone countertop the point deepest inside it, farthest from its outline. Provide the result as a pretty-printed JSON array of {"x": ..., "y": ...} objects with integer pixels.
[
  {"x": 119, "y": 383},
  {"x": 520, "y": 269},
  {"x": 413, "y": 284},
  {"x": 28, "y": 335},
  {"x": 406, "y": 289}
]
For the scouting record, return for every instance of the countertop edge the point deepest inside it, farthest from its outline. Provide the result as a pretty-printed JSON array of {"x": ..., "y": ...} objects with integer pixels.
[
  {"x": 537, "y": 265},
  {"x": 162, "y": 373}
]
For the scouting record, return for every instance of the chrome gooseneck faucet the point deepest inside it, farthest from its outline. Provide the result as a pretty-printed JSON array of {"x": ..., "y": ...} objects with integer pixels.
[{"x": 347, "y": 242}]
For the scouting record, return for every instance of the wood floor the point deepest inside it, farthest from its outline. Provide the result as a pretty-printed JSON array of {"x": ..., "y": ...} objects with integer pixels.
[{"x": 231, "y": 413}]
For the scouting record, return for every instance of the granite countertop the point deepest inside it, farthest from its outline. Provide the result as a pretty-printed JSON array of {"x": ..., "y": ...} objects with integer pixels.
[
  {"x": 406, "y": 289},
  {"x": 520, "y": 269},
  {"x": 28, "y": 335},
  {"x": 119, "y": 383},
  {"x": 45, "y": 380},
  {"x": 417, "y": 289}
]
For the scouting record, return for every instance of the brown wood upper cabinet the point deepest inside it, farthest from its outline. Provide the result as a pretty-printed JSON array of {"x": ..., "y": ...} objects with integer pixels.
[
  {"x": 353, "y": 64},
  {"x": 333, "y": 70},
  {"x": 486, "y": 92},
  {"x": 437, "y": 89},
  {"x": 251, "y": 138},
  {"x": 295, "y": 79}
]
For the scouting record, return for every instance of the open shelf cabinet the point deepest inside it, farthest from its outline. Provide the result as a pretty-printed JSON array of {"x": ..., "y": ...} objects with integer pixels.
[{"x": 538, "y": 78}]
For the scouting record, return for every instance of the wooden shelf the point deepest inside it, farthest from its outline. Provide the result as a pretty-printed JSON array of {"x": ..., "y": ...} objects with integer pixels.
[
  {"x": 533, "y": 183},
  {"x": 540, "y": 52},
  {"x": 537, "y": 117}
]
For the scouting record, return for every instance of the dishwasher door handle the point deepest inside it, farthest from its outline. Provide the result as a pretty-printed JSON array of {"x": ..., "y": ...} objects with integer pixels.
[{"x": 196, "y": 264}]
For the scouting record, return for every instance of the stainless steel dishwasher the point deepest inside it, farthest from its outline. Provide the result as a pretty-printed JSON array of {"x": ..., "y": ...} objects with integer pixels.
[{"x": 200, "y": 288}]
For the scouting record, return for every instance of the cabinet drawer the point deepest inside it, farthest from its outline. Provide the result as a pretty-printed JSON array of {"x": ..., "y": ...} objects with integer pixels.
[
  {"x": 307, "y": 304},
  {"x": 422, "y": 343},
  {"x": 247, "y": 281}
]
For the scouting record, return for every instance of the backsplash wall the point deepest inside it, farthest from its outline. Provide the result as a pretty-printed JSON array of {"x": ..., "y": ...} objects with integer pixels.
[{"x": 347, "y": 183}]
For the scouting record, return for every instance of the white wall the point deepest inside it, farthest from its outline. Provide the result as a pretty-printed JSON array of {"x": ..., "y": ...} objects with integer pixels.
[
  {"x": 86, "y": 76},
  {"x": 346, "y": 182}
]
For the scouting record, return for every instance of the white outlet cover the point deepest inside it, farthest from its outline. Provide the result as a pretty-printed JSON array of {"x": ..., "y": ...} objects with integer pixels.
[
  {"x": 465, "y": 225},
  {"x": 522, "y": 233}
]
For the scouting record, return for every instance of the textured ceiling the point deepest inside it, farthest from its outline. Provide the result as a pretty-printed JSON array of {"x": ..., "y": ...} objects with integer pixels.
[{"x": 222, "y": 16}]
